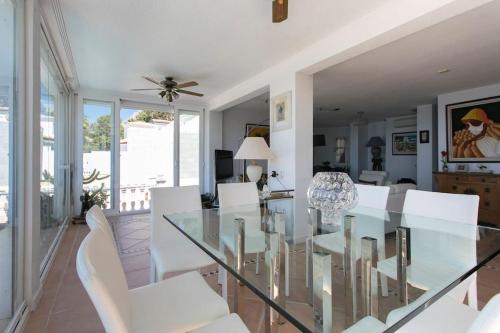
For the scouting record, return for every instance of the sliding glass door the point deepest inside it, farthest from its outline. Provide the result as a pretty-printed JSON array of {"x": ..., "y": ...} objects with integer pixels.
[
  {"x": 140, "y": 146},
  {"x": 146, "y": 154},
  {"x": 189, "y": 148},
  {"x": 97, "y": 152},
  {"x": 11, "y": 238},
  {"x": 54, "y": 170}
]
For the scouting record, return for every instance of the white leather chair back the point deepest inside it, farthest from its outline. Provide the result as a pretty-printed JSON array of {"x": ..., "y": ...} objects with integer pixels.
[
  {"x": 237, "y": 194},
  {"x": 372, "y": 196},
  {"x": 446, "y": 235},
  {"x": 488, "y": 320},
  {"x": 240, "y": 200},
  {"x": 97, "y": 220},
  {"x": 461, "y": 208},
  {"x": 172, "y": 200},
  {"x": 101, "y": 273}
]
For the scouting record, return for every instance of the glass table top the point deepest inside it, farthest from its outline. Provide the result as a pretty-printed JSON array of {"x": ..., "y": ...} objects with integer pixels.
[{"x": 321, "y": 275}]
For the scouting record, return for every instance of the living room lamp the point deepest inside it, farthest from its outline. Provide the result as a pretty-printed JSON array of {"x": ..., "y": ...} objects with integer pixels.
[{"x": 254, "y": 148}]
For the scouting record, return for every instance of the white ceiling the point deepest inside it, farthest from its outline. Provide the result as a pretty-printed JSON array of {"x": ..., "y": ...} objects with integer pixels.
[
  {"x": 255, "y": 105},
  {"x": 394, "y": 79},
  {"x": 218, "y": 43}
]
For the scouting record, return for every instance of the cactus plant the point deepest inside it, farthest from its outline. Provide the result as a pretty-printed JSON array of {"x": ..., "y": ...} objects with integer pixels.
[
  {"x": 90, "y": 198},
  {"x": 93, "y": 176}
]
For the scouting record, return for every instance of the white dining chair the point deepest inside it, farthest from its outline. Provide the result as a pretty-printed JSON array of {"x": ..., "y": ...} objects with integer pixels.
[
  {"x": 171, "y": 251},
  {"x": 444, "y": 315},
  {"x": 231, "y": 323},
  {"x": 179, "y": 304},
  {"x": 241, "y": 200},
  {"x": 432, "y": 217},
  {"x": 448, "y": 315},
  {"x": 96, "y": 219},
  {"x": 370, "y": 222}
]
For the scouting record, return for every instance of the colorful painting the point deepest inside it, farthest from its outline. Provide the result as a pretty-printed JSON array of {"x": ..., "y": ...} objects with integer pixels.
[
  {"x": 473, "y": 131},
  {"x": 255, "y": 130},
  {"x": 404, "y": 143}
]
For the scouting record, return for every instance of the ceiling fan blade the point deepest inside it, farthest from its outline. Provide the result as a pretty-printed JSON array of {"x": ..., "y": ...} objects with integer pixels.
[
  {"x": 189, "y": 93},
  {"x": 152, "y": 81},
  {"x": 187, "y": 84},
  {"x": 147, "y": 89},
  {"x": 280, "y": 10}
]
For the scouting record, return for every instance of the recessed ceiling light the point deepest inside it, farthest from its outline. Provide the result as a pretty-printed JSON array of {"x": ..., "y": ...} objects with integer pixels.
[{"x": 443, "y": 70}]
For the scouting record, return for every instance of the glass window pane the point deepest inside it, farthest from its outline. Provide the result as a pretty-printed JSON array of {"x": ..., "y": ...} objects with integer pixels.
[
  {"x": 189, "y": 148},
  {"x": 146, "y": 155},
  {"x": 97, "y": 154},
  {"x": 11, "y": 278},
  {"x": 53, "y": 154}
]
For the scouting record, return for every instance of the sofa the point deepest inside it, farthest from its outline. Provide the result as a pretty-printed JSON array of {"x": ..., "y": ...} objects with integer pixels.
[{"x": 397, "y": 192}]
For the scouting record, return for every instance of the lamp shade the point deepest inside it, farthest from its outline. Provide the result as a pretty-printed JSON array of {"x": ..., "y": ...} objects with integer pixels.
[
  {"x": 254, "y": 148},
  {"x": 375, "y": 141}
]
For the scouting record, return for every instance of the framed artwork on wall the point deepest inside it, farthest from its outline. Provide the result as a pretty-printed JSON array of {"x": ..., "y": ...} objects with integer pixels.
[
  {"x": 404, "y": 143},
  {"x": 281, "y": 112},
  {"x": 256, "y": 130},
  {"x": 473, "y": 131},
  {"x": 424, "y": 136}
]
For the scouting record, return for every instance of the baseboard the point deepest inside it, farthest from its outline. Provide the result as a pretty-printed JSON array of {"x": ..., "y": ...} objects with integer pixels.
[{"x": 19, "y": 320}]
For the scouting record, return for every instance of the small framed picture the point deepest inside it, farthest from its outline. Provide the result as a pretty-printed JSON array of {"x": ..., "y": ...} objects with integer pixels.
[
  {"x": 462, "y": 167},
  {"x": 424, "y": 136},
  {"x": 281, "y": 112},
  {"x": 404, "y": 143}
]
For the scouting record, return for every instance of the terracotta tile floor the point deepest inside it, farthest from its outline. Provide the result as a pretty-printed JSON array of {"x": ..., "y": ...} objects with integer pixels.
[{"x": 65, "y": 306}]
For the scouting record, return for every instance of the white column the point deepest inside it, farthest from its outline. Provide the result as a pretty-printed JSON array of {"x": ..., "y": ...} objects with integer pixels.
[
  {"x": 213, "y": 140},
  {"x": 426, "y": 154},
  {"x": 32, "y": 154},
  {"x": 294, "y": 147}
]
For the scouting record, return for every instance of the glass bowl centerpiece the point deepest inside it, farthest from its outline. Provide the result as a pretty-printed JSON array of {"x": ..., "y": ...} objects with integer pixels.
[{"x": 332, "y": 193}]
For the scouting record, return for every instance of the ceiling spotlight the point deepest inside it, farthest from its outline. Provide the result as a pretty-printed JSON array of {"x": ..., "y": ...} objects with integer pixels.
[{"x": 443, "y": 70}]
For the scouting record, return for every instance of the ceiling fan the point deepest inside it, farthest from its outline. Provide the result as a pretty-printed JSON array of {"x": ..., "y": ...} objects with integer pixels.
[
  {"x": 280, "y": 10},
  {"x": 169, "y": 89}
]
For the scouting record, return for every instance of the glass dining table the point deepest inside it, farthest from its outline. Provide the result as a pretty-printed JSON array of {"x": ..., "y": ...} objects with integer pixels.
[{"x": 372, "y": 271}]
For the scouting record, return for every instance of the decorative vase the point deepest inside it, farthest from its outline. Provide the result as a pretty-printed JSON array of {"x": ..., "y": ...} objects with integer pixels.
[
  {"x": 445, "y": 167},
  {"x": 332, "y": 193}
]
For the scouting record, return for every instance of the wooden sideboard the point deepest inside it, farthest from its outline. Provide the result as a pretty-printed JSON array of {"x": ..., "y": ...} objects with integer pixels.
[{"x": 486, "y": 185}]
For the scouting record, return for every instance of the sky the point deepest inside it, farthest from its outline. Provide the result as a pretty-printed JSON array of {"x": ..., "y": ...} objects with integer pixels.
[{"x": 96, "y": 110}]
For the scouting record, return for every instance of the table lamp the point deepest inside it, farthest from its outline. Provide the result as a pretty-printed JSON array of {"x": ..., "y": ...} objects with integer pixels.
[{"x": 254, "y": 148}]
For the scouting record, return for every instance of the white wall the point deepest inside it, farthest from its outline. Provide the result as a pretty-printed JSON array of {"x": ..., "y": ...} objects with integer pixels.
[
  {"x": 213, "y": 141},
  {"x": 362, "y": 149},
  {"x": 427, "y": 157},
  {"x": 457, "y": 97},
  {"x": 327, "y": 152},
  {"x": 234, "y": 122},
  {"x": 399, "y": 166}
]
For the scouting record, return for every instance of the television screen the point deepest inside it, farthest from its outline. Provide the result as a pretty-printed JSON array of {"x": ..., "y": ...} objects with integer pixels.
[{"x": 223, "y": 164}]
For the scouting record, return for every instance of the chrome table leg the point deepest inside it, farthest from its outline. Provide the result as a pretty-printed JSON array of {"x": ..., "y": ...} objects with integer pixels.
[
  {"x": 369, "y": 281},
  {"x": 403, "y": 258}
]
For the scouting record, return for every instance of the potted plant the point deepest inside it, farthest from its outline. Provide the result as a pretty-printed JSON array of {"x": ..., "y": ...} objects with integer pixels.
[{"x": 91, "y": 197}]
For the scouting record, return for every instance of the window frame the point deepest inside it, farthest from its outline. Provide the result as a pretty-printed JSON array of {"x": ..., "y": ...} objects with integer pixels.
[{"x": 118, "y": 103}]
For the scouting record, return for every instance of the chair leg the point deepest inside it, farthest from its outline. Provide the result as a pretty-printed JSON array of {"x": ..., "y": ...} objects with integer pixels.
[
  {"x": 472, "y": 292},
  {"x": 307, "y": 263},
  {"x": 257, "y": 267},
  {"x": 152, "y": 271},
  {"x": 223, "y": 277},
  {"x": 287, "y": 269},
  {"x": 383, "y": 277}
]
